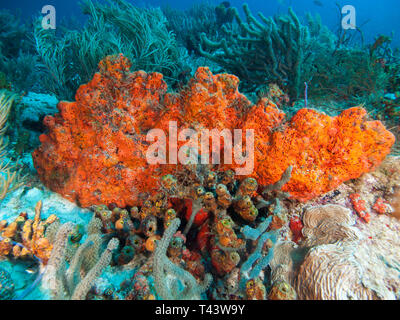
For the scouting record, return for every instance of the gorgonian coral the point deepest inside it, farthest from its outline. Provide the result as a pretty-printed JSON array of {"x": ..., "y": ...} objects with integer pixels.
[{"x": 95, "y": 151}]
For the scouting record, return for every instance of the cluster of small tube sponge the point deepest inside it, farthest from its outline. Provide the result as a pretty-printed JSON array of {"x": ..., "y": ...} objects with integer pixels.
[
  {"x": 171, "y": 281},
  {"x": 256, "y": 262},
  {"x": 67, "y": 283}
]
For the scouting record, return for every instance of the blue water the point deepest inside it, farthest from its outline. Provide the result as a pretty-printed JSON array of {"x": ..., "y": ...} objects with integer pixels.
[{"x": 383, "y": 16}]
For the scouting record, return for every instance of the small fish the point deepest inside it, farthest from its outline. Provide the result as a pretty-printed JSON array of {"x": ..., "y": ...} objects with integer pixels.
[
  {"x": 30, "y": 271},
  {"x": 318, "y": 3}
]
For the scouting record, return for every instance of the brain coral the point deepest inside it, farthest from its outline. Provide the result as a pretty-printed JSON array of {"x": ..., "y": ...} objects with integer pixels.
[
  {"x": 328, "y": 224},
  {"x": 94, "y": 151},
  {"x": 363, "y": 268}
]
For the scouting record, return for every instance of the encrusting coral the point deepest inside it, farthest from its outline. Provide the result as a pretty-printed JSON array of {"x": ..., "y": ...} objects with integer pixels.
[
  {"x": 339, "y": 280},
  {"x": 100, "y": 138}
]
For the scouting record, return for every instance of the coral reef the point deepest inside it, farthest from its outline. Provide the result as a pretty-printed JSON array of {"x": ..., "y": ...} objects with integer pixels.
[
  {"x": 234, "y": 225},
  {"x": 95, "y": 141},
  {"x": 227, "y": 229},
  {"x": 342, "y": 256},
  {"x": 273, "y": 49},
  {"x": 29, "y": 242},
  {"x": 244, "y": 264},
  {"x": 159, "y": 178},
  {"x": 166, "y": 263}
]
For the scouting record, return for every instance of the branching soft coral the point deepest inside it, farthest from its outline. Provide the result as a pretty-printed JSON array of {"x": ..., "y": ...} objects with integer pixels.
[
  {"x": 264, "y": 49},
  {"x": 95, "y": 151},
  {"x": 10, "y": 175},
  {"x": 112, "y": 27}
]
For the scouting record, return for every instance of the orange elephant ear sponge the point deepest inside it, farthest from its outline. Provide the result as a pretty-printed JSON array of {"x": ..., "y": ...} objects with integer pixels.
[
  {"x": 94, "y": 152},
  {"x": 95, "y": 148},
  {"x": 324, "y": 151}
]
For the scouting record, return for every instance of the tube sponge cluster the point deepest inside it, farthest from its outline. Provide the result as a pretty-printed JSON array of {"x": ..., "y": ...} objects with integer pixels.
[
  {"x": 169, "y": 278},
  {"x": 257, "y": 261},
  {"x": 261, "y": 236},
  {"x": 73, "y": 280}
]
